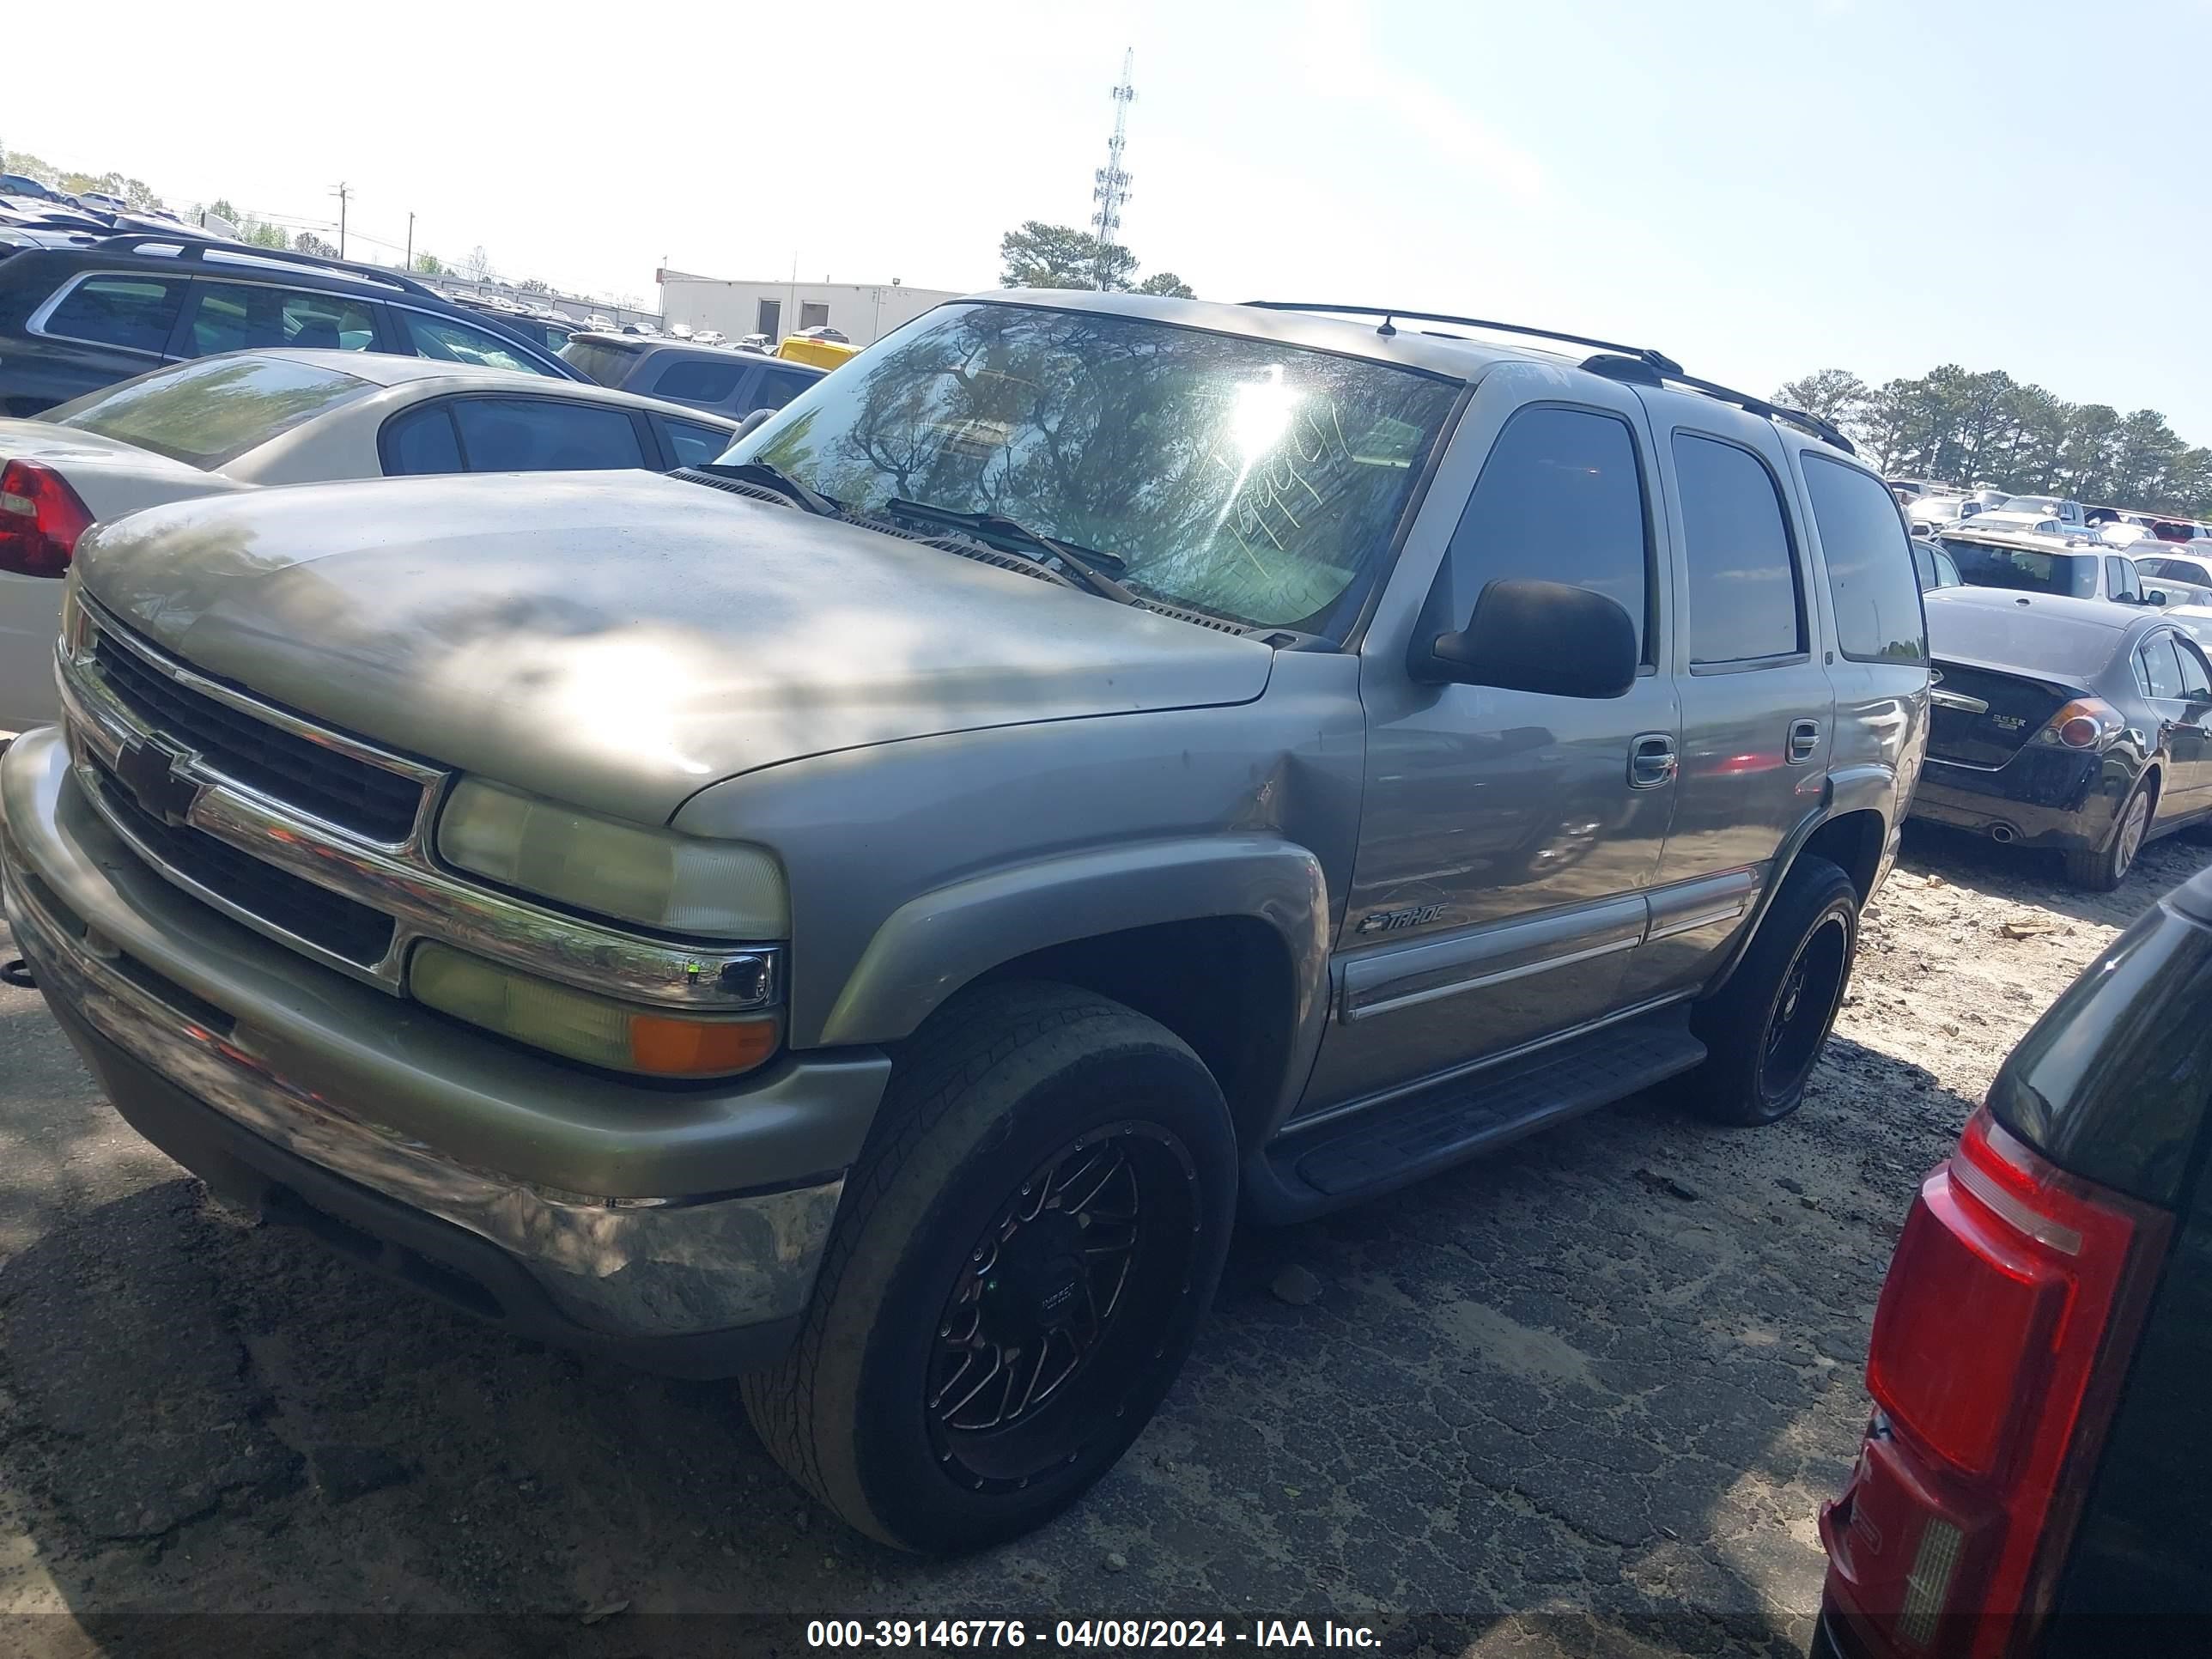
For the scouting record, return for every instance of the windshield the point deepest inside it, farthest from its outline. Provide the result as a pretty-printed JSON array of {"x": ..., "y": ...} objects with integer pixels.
[
  {"x": 2072, "y": 575},
  {"x": 1254, "y": 480},
  {"x": 211, "y": 412},
  {"x": 2041, "y": 505}
]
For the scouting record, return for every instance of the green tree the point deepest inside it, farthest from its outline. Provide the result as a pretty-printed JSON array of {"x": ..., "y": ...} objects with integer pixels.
[
  {"x": 1168, "y": 283},
  {"x": 261, "y": 233},
  {"x": 1040, "y": 255},
  {"x": 222, "y": 208},
  {"x": 428, "y": 264},
  {"x": 307, "y": 242},
  {"x": 1834, "y": 394}
]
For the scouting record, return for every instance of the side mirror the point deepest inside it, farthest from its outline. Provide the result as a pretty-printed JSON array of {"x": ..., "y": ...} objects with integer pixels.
[
  {"x": 750, "y": 424},
  {"x": 1546, "y": 637},
  {"x": 2156, "y": 596}
]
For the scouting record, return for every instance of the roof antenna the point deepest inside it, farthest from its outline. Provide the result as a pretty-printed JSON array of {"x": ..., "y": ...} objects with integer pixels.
[{"x": 1387, "y": 329}]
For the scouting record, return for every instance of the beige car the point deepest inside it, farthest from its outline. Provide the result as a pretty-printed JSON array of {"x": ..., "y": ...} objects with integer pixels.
[{"x": 251, "y": 419}]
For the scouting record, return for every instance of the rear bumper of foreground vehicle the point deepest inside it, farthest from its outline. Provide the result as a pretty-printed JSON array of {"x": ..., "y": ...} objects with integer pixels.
[
  {"x": 2043, "y": 797},
  {"x": 444, "y": 1158}
]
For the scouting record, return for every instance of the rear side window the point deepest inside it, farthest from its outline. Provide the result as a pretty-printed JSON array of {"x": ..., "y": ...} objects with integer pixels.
[
  {"x": 1924, "y": 566},
  {"x": 694, "y": 444},
  {"x": 1869, "y": 560},
  {"x": 777, "y": 387},
  {"x": 538, "y": 434},
  {"x": 446, "y": 341},
  {"x": 135, "y": 313},
  {"x": 1560, "y": 499},
  {"x": 2160, "y": 669},
  {"x": 2196, "y": 680},
  {"x": 1743, "y": 581},
  {"x": 697, "y": 381},
  {"x": 235, "y": 316},
  {"x": 208, "y": 414},
  {"x": 609, "y": 365},
  {"x": 420, "y": 441}
]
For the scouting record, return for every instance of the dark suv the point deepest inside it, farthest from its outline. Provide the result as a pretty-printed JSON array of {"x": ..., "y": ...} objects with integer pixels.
[
  {"x": 2036, "y": 1479},
  {"x": 729, "y": 382},
  {"x": 74, "y": 319}
]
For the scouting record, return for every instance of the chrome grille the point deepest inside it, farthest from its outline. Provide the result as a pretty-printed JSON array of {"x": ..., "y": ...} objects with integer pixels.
[
  {"x": 299, "y": 907},
  {"x": 336, "y": 788}
]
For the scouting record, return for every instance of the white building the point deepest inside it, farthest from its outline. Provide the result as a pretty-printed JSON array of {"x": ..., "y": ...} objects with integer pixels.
[{"x": 863, "y": 311}]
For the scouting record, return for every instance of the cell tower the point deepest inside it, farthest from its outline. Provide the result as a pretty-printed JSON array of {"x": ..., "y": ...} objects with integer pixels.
[{"x": 1112, "y": 186}]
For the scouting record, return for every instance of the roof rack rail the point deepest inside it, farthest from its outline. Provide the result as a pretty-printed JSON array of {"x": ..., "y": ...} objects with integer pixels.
[
  {"x": 1657, "y": 360},
  {"x": 1621, "y": 368},
  {"x": 1639, "y": 364},
  {"x": 190, "y": 247}
]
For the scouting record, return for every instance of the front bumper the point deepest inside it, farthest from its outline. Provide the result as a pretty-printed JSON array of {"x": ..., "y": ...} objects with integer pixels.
[
  {"x": 679, "y": 1228},
  {"x": 2044, "y": 796}
]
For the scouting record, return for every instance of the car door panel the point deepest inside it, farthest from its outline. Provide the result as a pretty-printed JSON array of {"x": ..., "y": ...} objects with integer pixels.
[
  {"x": 1504, "y": 851},
  {"x": 1756, "y": 700}
]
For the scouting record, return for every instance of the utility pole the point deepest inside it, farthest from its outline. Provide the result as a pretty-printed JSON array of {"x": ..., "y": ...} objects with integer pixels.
[
  {"x": 1112, "y": 188},
  {"x": 343, "y": 196},
  {"x": 411, "y": 241}
]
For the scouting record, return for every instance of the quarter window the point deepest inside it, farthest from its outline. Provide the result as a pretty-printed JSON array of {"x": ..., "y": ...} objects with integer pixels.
[
  {"x": 1870, "y": 562},
  {"x": 135, "y": 313},
  {"x": 698, "y": 381},
  {"x": 1560, "y": 499},
  {"x": 446, "y": 341},
  {"x": 2120, "y": 579},
  {"x": 422, "y": 440},
  {"x": 1743, "y": 581},
  {"x": 694, "y": 444},
  {"x": 537, "y": 435}
]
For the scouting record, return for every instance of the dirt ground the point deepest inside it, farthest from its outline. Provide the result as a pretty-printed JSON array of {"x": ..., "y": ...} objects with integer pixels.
[{"x": 1584, "y": 1398}]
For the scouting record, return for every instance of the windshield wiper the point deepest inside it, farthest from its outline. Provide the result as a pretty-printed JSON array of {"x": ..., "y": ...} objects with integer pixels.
[
  {"x": 1082, "y": 563},
  {"x": 776, "y": 478}
]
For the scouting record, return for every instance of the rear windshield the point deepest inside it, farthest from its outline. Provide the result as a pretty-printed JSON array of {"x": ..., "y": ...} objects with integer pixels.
[
  {"x": 600, "y": 359},
  {"x": 2069, "y": 575},
  {"x": 2008, "y": 636},
  {"x": 209, "y": 412}
]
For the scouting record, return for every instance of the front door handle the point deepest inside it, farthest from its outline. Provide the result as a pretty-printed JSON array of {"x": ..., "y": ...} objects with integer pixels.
[
  {"x": 1651, "y": 760},
  {"x": 1804, "y": 740}
]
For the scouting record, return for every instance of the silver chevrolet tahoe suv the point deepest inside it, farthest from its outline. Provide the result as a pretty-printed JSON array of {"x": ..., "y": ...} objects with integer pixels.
[{"x": 866, "y": 915}]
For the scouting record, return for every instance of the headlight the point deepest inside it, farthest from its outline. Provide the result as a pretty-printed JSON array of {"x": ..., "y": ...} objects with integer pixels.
[
  {"x": 715, "y": 889},
  {"x": 585, "y": 1027}
]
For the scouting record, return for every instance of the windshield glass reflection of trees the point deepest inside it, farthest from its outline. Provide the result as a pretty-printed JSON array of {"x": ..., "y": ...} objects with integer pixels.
[{"x": 1244, "y": 478}]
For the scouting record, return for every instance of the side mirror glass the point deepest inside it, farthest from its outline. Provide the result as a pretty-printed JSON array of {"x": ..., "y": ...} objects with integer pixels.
[{"x": 1546, "y": 637}]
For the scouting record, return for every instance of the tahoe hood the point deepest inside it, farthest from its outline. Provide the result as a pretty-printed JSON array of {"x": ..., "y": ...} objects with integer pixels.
[{"x": 621, "y": 640}]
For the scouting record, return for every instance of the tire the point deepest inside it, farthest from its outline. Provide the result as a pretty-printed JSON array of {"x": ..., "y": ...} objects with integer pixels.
[
  {"x": 1764, "y": 1027},
  {"x": 2101, "y": 869},
  {"x": 1004, "y": 1107}
]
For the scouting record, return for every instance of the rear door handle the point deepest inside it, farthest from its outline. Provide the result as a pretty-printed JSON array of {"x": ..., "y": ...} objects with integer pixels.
[
  {"x": 1651, "y": 760},
  {"x": 1804, "y": 740}
]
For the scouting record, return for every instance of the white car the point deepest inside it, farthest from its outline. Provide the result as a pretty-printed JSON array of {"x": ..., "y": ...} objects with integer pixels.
[{"x": 250, "y": 420}]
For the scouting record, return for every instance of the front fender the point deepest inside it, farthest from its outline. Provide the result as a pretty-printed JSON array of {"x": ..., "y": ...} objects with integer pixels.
[{"x": 932, "y": 945}]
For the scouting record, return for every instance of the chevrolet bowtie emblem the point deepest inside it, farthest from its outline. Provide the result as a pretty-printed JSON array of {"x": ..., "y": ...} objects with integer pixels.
[{"x": 156, "y": 776}]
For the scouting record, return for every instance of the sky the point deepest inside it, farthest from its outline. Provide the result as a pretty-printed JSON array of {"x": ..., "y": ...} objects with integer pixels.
[{"x": 1760, "y": 188}]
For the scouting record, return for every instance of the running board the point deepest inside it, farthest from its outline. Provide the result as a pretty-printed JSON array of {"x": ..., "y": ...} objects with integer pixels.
[{"x": 1391, "y": 1144}]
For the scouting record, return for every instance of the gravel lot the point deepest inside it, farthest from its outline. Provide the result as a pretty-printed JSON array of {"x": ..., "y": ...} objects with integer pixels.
[{"x": 1584, "y": 1398}]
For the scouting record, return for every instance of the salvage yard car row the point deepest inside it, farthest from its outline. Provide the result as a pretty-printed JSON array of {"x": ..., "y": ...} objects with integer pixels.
[{"x": 1219, "y": 762}]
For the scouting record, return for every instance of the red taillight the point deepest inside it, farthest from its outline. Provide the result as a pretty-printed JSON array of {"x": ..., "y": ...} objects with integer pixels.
[
  {"x": 2085, "y": 723},
  {"x": 2011, "y": 1282},
  {"x": 40, "y": 518}
]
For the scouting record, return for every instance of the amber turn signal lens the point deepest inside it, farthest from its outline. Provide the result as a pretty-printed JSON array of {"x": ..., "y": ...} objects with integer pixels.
[{"x": 692, "y": 1047}]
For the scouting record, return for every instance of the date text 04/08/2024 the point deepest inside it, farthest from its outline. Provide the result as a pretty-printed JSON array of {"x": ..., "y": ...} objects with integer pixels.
[{"x": 929, "y": 1635}]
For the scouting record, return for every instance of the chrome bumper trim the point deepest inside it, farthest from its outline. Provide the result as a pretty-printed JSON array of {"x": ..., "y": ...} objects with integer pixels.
[
  {"x": 624, "y": 1268},
  {"x": 398, "y": 879}
]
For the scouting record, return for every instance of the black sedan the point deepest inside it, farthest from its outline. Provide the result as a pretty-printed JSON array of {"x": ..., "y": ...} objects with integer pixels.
[
  {"x": 2069, "y": 723},
  {"x": 2035, "y": 1478}
]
